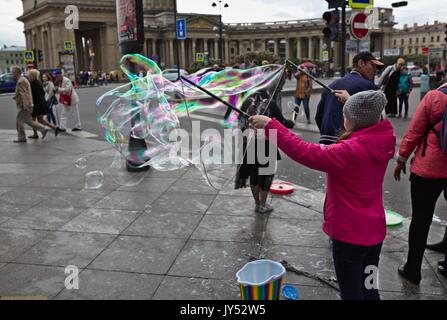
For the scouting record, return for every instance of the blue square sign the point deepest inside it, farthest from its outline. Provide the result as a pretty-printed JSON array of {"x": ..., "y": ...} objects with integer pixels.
[{"x": 181, "y": 29}]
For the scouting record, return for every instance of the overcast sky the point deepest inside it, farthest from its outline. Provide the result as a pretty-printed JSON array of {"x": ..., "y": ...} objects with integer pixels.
[{"x": 421, "y": 11}]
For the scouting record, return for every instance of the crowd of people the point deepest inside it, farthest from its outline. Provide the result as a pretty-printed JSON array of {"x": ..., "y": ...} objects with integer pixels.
[
  {"x": 96, "y": 78},
  {"x": 44, "y": 102}
]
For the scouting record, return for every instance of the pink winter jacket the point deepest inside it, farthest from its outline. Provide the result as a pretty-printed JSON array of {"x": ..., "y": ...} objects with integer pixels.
[
  {"x": 434, "y": 164},
  {"x": 353, "y": 212}
]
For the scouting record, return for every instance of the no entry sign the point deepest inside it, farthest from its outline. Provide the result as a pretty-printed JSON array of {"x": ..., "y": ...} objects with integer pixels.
[{"x": 359, "y": 26}]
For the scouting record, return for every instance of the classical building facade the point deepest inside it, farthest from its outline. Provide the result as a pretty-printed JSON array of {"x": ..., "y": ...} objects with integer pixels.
[
  {"x": 96, "y": 44},
  {"x": 411, "y": 40},
  {"x": 11, "y": 56}
]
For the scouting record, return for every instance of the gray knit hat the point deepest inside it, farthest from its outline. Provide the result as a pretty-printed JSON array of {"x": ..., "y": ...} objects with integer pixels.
[{"x": 364, "y": 109}]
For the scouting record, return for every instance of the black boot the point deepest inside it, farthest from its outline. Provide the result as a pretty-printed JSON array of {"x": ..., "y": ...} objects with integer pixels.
[
  {"x": 403, "y": 273},
  {"x": 440, "y": 247}
]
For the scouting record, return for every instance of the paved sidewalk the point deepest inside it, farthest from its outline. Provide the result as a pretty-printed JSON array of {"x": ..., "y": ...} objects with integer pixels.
[{"x": 171, "y": 237}]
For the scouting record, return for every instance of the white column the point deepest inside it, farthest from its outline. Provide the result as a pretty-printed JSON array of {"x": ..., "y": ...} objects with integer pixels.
[
  {"x": 252, "y": 45},
  {"x": 193, "y": 41},
  {"x": 216, "y": 50},
  {"x": 205, "y": 45},
  {"x": 239, "y": 47},
  {"x": 310, "y": 54},
  {"x": 321, "y": 48},
  {"x": 227, "y": 51},
  {"x": 171, "y": 52},
  {"x": 154, "y": 47},
  {"x": 287, "y": 48},
  {"x": 298, "y": 48},
  {"x": 276, "y": 50},
  {"x": 182, "y": 54}
]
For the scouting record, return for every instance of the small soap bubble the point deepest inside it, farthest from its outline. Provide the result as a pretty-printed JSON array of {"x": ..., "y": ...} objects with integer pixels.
[
  {"x": 94, "y": 180},
  {"x": 81, "y": 163}
]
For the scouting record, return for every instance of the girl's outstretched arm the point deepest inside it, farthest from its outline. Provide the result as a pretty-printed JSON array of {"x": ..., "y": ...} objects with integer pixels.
[{"x": 332, "y": 159}]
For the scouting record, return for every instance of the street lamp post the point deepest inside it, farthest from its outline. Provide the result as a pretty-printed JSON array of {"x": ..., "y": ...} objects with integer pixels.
[
  {"x": 382, "y": 38},
  {"x": 221, "y": 40}
]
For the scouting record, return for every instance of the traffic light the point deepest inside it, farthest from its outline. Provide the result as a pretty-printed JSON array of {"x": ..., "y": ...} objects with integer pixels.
[
  {"x": 39, "y": 55},
  {"x": 332, "y": 19}
]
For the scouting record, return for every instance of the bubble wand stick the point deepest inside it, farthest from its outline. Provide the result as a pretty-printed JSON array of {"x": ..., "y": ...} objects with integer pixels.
[
  {"x": 229, "y": 105},
  {"x": 312, "y": 77}
]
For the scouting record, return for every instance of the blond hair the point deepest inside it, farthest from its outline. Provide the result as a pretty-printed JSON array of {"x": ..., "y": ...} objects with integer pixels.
[
  {"x": 35, "y": 73},
  {"x": 401, "y": 61}
]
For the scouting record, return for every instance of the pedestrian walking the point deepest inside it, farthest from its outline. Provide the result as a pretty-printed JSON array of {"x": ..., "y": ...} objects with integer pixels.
[
  {"x": 329, "y": 117},
  {"x": 404, "y": 91},
  {"x": 302, "y": 94},
  {"x": 259, "y": 156},
  {"x": 428, "y": 174},
  {"x": 40, "y": 108},
  {"x": 69, "y": 102},
  {"x": 354, "y": 216},
  {"x": 425, "y": 83},
  {"x": 389, "y": 82},
  {"x": 24, "y": 101},
  {"x": 50, "y": 98}
]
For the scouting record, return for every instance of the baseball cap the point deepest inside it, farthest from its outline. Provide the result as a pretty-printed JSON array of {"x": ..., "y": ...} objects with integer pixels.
[
  {"x": 367, "y": 56},
  {"x": 58, "y": 72}
]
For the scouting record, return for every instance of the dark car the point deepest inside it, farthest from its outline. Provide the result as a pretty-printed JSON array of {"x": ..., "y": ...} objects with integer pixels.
[{"x": 7, "y": 83}]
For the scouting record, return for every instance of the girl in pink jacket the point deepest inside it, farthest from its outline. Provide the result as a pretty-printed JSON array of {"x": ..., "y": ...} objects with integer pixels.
[
  {"x": 354, "y": 216},
  {"x": 428, "y": 179}
]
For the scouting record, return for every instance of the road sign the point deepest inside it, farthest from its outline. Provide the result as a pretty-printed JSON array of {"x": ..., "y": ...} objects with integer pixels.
[
  {"x": 325, "y": 56},
  {"x": 200, "y": 57},
  {"x": 359, "y": 26},
  {"x": 391, "y": 52},
  {"x": 436, "y": 50},
  {"x": 28, "y": 56},
  {"x": 181, "y": 29},
  {"x": 361, "y": 4},
  {"x": 425, "y": 51},
  {"x": 68, "y": 46}
]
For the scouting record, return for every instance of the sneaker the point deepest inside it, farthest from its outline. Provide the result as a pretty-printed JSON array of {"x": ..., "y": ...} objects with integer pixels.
[
  {"x": 266, "y": 209},
  {"x": 44, "y": 134},
  {"x": 62, "y": 130},
  {"x": 19, "y": 141},
  {"x": 257, "y": 207},
  {"x": 56, "y": 131},
  {"x": 33, "y": 137},
  {"x": 76, "y": 129}
]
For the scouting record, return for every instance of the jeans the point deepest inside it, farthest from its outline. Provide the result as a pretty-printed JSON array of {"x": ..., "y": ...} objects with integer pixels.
[
  {"x": 403, "y": 100},
  {"x": 424, "y": 195},
  {"x": 306, "y": 106},
  {"x": 50, "y": 115},
  {"x": 351, "y": 263}
]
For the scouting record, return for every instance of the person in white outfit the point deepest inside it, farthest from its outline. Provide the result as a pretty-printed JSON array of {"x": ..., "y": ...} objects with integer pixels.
[{"x": 66, "y": 88}]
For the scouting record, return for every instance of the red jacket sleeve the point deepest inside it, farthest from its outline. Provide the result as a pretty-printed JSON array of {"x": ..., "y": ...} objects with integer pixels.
[
  {"x": 416, "y": 130},
  {"x": 332, "y": 159}
]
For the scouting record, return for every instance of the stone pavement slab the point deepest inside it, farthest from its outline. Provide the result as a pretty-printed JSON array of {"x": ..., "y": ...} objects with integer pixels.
[
  {"x": 170, "y": 237},
  {"x": 66, "y": 249},
  {"x": 108, "y": 285},
  {"x": 105, "y": 221},
  {"x": 164, "y": 225},
  {"x": 14, "y": 242},
  {"x": 139, "y": 255}
]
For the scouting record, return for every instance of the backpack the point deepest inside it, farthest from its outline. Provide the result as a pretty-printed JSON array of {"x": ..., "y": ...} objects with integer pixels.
[{"x": 441, "y": 134}]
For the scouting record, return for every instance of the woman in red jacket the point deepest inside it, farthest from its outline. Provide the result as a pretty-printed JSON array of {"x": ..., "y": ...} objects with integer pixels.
[{"x": 428, "y": 176}]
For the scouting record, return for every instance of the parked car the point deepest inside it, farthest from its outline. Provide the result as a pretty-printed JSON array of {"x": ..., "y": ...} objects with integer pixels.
[
  {"x": 172, "y": 74},
  {"x": 7, "y": 84}
]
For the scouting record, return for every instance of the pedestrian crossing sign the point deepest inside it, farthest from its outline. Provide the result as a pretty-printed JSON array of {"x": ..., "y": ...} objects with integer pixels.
[
  {"x": 361, "y": 4},
  {"x": 68, "y": 45},
  {"x": 28, "y": 56},
  {"x": 200, "y": 57}
]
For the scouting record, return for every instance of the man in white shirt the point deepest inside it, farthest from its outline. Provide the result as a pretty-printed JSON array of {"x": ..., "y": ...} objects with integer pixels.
[{"x": 66, "y": 88}]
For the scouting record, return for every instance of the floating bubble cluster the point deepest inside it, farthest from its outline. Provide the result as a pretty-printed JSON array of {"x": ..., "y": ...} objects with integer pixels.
[
  {"x": 81, "y": 163},
  {"x": 142, "y": 119}
]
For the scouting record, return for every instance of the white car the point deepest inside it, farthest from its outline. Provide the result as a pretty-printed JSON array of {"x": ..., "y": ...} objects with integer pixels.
[{"x": 172, "y": 74}]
